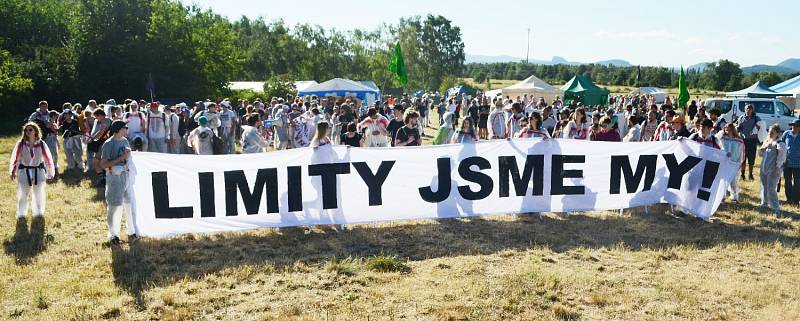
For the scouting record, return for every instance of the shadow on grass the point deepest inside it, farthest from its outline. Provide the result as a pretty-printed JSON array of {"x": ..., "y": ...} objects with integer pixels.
[
  {"x": 153, "y": 262},
  {"x": 25, "y": 245}
]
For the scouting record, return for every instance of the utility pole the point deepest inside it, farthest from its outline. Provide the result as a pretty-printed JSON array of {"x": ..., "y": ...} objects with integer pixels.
[{"x": 527, "y": 53}]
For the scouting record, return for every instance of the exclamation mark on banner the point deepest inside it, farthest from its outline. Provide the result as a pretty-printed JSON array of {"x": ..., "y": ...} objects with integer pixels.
[{"x": 709, "y": 173}]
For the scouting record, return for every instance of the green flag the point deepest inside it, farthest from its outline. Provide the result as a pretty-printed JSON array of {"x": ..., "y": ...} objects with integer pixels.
[
  {"x": 397, "y": 66},
  {"x": 683, "y": 92}
]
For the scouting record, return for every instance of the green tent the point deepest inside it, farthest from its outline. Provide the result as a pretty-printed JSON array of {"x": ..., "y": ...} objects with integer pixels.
[{"x": 582, "y": 90}]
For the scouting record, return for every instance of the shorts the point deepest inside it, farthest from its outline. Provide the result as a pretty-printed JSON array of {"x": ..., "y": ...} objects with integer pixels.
[{"x": 117, "y": 189}]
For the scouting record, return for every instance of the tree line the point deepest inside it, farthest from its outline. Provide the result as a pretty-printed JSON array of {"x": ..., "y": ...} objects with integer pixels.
[
  {"x": 75, "y": 50},
  {"x": 723, "y": 75}
]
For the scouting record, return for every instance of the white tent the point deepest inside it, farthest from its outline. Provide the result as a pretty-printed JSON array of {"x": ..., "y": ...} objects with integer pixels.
[
  {"x": 659, "y": 95},
  {"x": 493, "y": 93},
  {"x": 342, "y": 88},
  {"x": 258, "y": 86},
  {"x": 534, "y": 87},
  {"x": 303, "y": 84}
]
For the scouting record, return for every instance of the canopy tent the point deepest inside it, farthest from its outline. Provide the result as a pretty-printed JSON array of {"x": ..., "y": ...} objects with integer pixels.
[
  {"x": 463, "y": 90},
  {"x": 534, "y": 87},
  {"x": 582, "y": 90},
  {"x": 757, "y": 90},
  {"x": 303, "y": 84},
  {"x": 659, "y": 95},
  {"x": 790, "y": 87},
  {"x": 493, "y": 93},
  {"x": 342, "y": 88}
]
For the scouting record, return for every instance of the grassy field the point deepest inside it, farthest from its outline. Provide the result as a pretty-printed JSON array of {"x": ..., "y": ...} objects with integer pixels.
[
  {"x": 589, "y": 266},
  {"x": 615, "y": 90}
]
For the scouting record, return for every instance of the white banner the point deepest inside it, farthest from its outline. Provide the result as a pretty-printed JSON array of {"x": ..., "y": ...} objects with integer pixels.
[{"x": 338, "y": 185}]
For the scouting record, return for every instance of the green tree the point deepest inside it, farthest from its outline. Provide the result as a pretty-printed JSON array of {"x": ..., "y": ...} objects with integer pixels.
[{"x": 723, "y": 75}]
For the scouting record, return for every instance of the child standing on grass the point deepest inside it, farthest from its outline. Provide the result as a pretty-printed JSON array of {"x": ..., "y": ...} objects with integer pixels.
[
  {"x": 733, "y": 144},
  {"x": 114, "y": 159},
  {"x": 773, "y": 155},
  {"x": 31, "y": 165}
]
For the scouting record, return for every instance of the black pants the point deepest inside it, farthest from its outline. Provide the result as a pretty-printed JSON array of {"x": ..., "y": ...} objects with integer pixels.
[
  {"x": 750, "y": 147},
  {"x": 791, "y": 177}
]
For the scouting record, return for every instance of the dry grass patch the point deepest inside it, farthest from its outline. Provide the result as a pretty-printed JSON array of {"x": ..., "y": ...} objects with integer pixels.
[{"x": 589, "y": 266}]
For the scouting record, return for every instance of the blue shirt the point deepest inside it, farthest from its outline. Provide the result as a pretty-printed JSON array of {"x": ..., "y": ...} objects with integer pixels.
[{"x": 792, "y": 142}]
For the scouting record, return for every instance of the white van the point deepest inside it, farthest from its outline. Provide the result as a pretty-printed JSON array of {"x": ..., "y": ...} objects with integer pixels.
[{"x": 770, "y": 110}]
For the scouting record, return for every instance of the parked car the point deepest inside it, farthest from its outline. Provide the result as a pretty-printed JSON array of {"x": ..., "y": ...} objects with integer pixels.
[{"x": 770, "y": 110}]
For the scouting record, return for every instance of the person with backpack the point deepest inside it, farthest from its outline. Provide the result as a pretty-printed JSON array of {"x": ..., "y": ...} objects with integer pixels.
[
  {"x": 73, "y": 146},
  {"x": 136, "y": 126},
  {"x": 156, "y": 131},
  {"x": 31, "y": 165},
  {"x": 116, "y": 152},
  {"x": 201, "y": 138}
]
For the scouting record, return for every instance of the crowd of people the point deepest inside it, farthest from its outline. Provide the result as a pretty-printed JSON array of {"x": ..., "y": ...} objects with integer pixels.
[{"x": 99, "y": 138}]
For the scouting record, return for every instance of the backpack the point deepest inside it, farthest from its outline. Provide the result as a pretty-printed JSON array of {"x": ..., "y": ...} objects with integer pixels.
[{"x": 217, "y": 145}]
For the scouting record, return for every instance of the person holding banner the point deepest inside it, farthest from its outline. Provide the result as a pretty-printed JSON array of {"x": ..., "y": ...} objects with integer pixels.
[
  {"x": 252, "y": 141},
  {"x": 514, "y": 121},
  {"x": 679, "y": 128},
  {"x": 375, "y": 125},
  {"x": 534, "y": 128},
  {"x": 409, "y": 135},
  {"x": 31, "y": 165},
  {"x": 321, "y": 135},
  {"x": 578, "y": 127},
  {"x": 773, "y": 155},
  {"x": 114, "y": 159},
  {"x": 351, "y": 138},
  {"x": 466, "y": 134},
  {"x": 732, "y": 144},
  {"x": 665, "y": 130},
  {"x": 607, "y": 133},
  {"x": 704, "y": 136}
]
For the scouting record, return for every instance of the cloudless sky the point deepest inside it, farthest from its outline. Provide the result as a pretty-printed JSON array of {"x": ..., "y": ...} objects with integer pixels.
[{"x": 654, "y": 33}]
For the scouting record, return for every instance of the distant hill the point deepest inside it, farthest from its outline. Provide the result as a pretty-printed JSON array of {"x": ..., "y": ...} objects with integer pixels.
[
  {"x": 615, "y": 62},
  {"x": 767, "y": 68},
  {"x": 793, "y": 64},
  {"x": 788, "y": 66},
  {"x": 556, "y": 60}
]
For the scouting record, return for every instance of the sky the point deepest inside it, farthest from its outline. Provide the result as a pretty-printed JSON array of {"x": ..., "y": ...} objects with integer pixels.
[{"x": 650, "y": 33}]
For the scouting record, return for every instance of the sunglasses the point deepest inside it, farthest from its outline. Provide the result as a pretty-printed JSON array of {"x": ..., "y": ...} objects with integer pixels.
[{"x": 30, "y": 130}]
